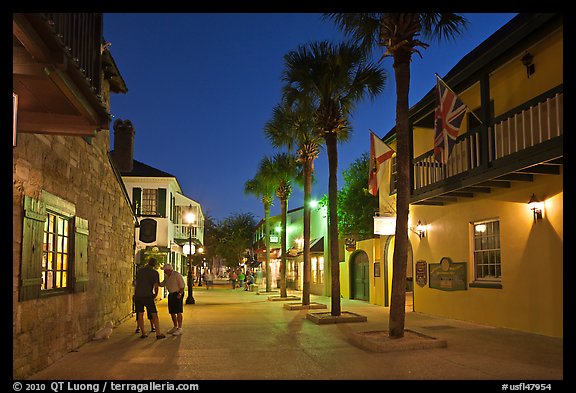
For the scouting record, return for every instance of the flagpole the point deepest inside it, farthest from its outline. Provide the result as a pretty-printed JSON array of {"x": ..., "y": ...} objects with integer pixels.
[{"x": 448, "y": 87}]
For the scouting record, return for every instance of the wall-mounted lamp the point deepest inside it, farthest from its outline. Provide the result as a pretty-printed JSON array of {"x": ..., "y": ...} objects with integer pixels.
[
  {"x": 536, "y": 206},
  {"x": 527, "y": 61},
  {"x": 420, "y": 229}
]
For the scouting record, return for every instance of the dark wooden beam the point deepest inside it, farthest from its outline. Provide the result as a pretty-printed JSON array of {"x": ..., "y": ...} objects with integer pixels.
[
  {"x": 484, "y": 190},
  {"x": 517, "y": 177},
  {"x": 542, "y": 169},
  {"x": 55, "y": 124},
  {"x": 443, "y": 198},
  {"x": 30, "y": 39},
  {"x": 462, "y": 194},
  {"x": 496, "y": 183},
  {"x": 429, "y": 202}
]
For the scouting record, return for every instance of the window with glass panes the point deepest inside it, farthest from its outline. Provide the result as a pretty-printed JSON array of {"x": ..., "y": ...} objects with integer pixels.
[
  {"x": 317, "y": 270},
  {"x": 487, "y": 263},
  {"x": 55, "y": 256},
  {"x": 149, "y": 201}
]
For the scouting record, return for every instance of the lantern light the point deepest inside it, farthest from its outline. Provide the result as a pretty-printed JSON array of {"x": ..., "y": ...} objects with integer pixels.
[{"x": 537, "y": 207}]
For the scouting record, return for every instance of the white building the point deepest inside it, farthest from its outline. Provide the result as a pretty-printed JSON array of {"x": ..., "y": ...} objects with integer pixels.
[{"x": 160, "y": 206}]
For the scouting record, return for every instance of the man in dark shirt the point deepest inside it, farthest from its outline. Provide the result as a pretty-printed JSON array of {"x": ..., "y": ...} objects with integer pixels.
[{"x": 145, "y": 291}]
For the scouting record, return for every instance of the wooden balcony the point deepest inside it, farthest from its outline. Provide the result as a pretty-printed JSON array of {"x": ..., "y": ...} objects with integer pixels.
[
  {"x": 57, "y": 62},
  {"x": 525, "y": 141},
  {"x": 182, "y": 231}
]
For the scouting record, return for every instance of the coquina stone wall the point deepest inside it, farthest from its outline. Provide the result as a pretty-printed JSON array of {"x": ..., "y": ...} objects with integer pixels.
[{"x": 80, "y": 173}]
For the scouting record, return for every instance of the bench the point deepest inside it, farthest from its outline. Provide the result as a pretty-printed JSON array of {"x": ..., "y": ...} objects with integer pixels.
[{"x": 253, "y": 288}]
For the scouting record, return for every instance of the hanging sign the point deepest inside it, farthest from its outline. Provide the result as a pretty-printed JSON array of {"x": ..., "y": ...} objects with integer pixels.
[{"x": 384, "y": 225}]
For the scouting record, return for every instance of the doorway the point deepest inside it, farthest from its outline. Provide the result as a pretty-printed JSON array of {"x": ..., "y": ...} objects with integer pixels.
[{"x": 360, "y": 276}]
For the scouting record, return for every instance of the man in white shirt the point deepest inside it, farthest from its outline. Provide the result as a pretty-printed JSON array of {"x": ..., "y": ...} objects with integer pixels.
[{"x": 174, "y": 283}]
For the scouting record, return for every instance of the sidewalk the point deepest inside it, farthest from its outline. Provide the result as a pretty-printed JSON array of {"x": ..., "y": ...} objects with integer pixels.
[{"x": 238, "y": 335}]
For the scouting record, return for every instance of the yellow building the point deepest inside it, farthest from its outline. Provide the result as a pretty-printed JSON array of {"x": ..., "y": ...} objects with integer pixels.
[{"x": 482, "y": 253}]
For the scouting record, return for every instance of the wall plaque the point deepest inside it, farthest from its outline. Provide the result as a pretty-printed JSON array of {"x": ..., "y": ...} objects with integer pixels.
[
  {"x": 376, "y": 269},
  {"x": 421, "y": 273},
  {"x": 448, "y": 275}
]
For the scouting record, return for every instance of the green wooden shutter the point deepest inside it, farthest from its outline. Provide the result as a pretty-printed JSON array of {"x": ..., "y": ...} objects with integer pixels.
[
  {"x": 137, "y": 200},
  {"x": 32, "y": 241},
  {"x": 80, "y": 254},
  {"x": 161, "y": 206}
]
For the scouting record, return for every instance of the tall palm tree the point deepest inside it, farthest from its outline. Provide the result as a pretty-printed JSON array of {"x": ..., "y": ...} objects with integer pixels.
[
  {"x": 281, "y": 170},
  {"x": 263, "y": 188},
  {"x": 399, "y": 34},
  {"x": 293, "y": 127},
  {"x": 332, "y": 79}
]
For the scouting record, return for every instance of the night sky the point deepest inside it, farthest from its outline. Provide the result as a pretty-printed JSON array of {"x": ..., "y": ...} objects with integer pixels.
[{"x": 201, "y": 87}]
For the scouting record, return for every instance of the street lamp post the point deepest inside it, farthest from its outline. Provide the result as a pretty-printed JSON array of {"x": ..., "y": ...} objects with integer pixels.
[
  {"x": 190, "y": 219},
  {"x": 200, "y": 251}
]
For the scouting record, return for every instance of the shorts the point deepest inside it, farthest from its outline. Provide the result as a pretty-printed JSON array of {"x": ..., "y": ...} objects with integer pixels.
[
  {"x": 175, "y": 305},
  {"x": 145, "y": 301}
]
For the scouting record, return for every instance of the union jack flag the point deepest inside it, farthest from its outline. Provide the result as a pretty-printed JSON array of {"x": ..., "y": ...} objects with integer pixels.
[{"x": 450, "y": 111}]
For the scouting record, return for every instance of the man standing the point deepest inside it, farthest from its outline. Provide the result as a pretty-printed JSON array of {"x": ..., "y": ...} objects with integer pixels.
[
  {"x": 174, "y": 283},
  {"x": 145, "y": 291}
]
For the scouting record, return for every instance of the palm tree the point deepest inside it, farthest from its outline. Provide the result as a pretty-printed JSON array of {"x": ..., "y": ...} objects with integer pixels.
[
  {"x": 332, "y": 79},
  {"x": 398, "y": 33},
  {"x": 293, "y": 128},
  {"x": 281, "y": 170},
  {"x": 261, "y": 187}
]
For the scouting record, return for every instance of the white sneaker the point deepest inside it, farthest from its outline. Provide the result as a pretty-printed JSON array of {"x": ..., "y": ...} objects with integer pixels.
[
  {"x": 171, "y": 331},
  {"x": 177, "y": 332}
]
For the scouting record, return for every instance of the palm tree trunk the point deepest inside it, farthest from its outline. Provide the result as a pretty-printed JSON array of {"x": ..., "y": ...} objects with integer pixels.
[
  {"x": 267, "y": 240},
  {"x": 332, "y": 150},
  {"x": 283, "y": 207},
  {"x": 306, "y": 253},
  {"x": 398, "y": 297}
]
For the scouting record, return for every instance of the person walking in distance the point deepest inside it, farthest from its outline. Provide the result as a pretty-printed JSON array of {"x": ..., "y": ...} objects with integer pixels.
[
  {"x": 174, "y": 283},
  {"x": 145, "y": 291}
]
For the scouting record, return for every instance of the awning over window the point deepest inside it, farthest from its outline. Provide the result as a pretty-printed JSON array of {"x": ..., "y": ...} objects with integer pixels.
[{"x": 317, "y": 245}]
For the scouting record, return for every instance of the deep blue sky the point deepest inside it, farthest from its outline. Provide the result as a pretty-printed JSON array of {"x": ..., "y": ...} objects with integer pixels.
[{"x": 201, "y": 87}]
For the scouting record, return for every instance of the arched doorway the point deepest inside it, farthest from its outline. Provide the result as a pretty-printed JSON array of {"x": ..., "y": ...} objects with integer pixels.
[
  {"x": 387, "y": 256},
  {"x": 359, "y": 276}
]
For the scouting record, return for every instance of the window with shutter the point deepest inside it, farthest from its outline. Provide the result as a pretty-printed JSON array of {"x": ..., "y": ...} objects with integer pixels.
[
  {"x": 80, "y": 254},
  {"x": 32, "y": 240},
  {"x": 54, "y": 245},
  {"x": 136, "y": 200},
  {"x": 161, "y": 207}
]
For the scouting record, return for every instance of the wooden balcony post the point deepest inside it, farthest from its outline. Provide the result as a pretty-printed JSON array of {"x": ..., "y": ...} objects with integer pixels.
[{"x": 485, "y": 118}]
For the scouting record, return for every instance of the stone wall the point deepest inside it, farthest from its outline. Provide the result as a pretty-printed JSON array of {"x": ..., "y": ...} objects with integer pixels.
[{"x": 79, "y": 172}]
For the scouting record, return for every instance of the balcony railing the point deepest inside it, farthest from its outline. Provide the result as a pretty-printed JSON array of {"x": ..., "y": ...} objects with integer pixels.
[
  {"x": 526, "y": 126},
  {"x": 80, "y": 35},
  {"x": 182, "y": 231}
]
